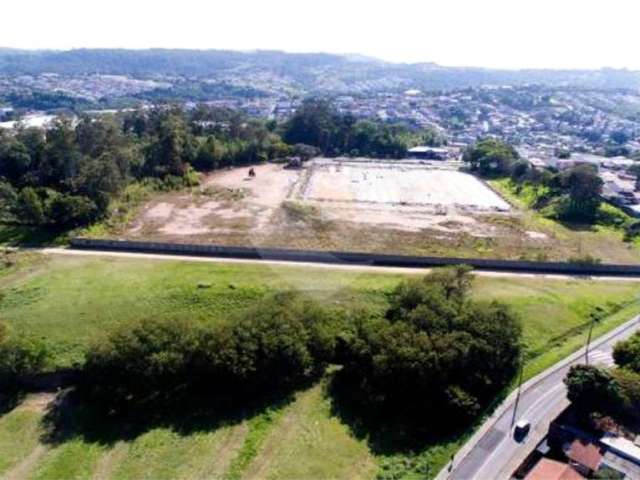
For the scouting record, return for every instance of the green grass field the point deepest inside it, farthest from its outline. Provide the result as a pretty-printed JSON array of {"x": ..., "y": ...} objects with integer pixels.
[
  {"x": 564, "y": 241},
  {"x": 70, "y": 301}
]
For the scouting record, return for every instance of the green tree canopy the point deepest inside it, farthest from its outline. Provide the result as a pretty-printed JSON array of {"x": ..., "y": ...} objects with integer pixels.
[
  {"x": 583, "y": 186},
  {"x": 592, "y": 389},
  {"x": 436, "y": 350},
  {"x": 491, "y": 157},
  {"x": 627, "y": 353}
]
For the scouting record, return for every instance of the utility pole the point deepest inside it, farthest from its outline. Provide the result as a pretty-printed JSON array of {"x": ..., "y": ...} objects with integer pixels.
[
  {"x": 515, "y": 406},
  {"x": 586, "y": 351}
]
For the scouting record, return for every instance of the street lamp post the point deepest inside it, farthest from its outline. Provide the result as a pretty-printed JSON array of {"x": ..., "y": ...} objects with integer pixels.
[{"x": 586, "y": 351}]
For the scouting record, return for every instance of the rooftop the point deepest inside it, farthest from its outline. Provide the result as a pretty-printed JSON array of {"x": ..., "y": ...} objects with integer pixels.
[
  {"x": 585, "y": 453},
  {"x": 424, "y": 149},
  {"x": 547, "y": 469},
  {"x": 623, "y": 447}
]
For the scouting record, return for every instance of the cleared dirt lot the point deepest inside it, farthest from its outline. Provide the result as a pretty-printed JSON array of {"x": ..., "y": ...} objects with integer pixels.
[
  {"x": 387, "y": 206},
  {"x": 399, "y": 183},
  {"x": 403, "y": 195}
]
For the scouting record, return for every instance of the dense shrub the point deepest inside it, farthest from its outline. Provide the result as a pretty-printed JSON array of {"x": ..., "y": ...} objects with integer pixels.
[
  {"x": 629, "y": 382},
  {"x": 317, "y": 122},
  {"x": 614, "y": 392},
  {"x": 436, "y": 351},
  {"x": 20, "y": 357},
  {"x": 491, "y": 157},
  {"x": 627, "y": 353},
  {"x": 278, "y": 343},
  {"x": 592, "y": 389}
]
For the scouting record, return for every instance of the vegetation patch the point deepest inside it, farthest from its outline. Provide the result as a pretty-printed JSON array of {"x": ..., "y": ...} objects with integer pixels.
[
  {"x": 112, "y": 292},
  {"x": 258, "y": 429}
]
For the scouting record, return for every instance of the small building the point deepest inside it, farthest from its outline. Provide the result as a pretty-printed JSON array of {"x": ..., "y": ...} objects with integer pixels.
[
  {"x": 547, "y": 469},
  {"x": 584, "y": 456},
  {"x": 576, "y": 159},
  {"x": 428, "y": 153}
]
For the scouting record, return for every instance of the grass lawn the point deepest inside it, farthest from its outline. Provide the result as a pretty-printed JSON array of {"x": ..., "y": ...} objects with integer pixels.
[
  {"x": 72, "y": 300},
  {"x": 566, "y": 241}
]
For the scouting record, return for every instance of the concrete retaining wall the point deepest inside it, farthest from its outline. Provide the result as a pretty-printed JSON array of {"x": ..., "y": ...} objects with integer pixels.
[{"x": 354, "y": 258}]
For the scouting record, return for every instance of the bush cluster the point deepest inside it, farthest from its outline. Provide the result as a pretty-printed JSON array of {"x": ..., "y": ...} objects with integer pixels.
[
  {"x": 436, "y": 351},
  {"x": 280, "y": 342},
  {"x": 570, "y": 195},
  {"x": 614, "y": 392},
  {"x": 20, "y": 357}
]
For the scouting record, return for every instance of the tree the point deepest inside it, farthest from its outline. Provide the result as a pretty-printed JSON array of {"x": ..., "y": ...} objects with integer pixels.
[
  {"x": 15, "y": 160},
  {"x": 315, "y": 123},
  {"x": 626, "y": 353},
  {"x": 520, "y": 170},
  {"x": 584, "y": 187},
  {"x": 209, "y": 154},
  {"x": 491, "y": 157},
  {"x": 20, "y": 357},
  {"x": 29, "y": 206},
  {"x": 318, "y": 123},
  {"x": 171, "y": 148},
  {"x": 280, "y": 342},
  {"x": 629, "y": 382},
  {"x": 8, "y": 202},
  {"x": 61, "y": 155},
  {"x": 436, "y": 351},
  {"x": 305, "y": 152},
  {"x": 141, "y": 362},
  {"x": 99, "y": 179},
  {"x": 65, "y": 210},
  {"x": 592, "y": 389}
]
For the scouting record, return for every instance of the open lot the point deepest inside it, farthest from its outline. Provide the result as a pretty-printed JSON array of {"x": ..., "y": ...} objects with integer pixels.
[
  {"x": 398, "y": 183},
  {"x": 405, "y": 196},
  {"x": 374, "y": 206},
  {"x": 72, "y": 300},
  {"x": 399, "y": 206}
]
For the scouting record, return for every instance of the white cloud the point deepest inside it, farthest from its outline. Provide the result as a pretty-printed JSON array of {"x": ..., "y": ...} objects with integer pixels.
[{"x": 492, "y": 33}]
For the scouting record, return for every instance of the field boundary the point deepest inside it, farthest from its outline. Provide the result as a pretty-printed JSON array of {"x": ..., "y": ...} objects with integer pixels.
[{"x": 355, "y": 258}]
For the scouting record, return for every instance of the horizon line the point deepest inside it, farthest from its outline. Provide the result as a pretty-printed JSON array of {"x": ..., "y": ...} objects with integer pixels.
[{"x": 371, "y": 58}]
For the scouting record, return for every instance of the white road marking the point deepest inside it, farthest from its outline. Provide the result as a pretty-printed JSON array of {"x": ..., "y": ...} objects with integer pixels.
[{"x": 598, "y": 357}]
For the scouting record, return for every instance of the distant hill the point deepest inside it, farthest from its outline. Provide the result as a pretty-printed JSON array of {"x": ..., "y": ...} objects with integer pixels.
[{"x": 310, "y": 72}]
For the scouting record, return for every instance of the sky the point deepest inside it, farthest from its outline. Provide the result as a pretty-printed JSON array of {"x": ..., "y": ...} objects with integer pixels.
[{"x": 487, "y": 33}]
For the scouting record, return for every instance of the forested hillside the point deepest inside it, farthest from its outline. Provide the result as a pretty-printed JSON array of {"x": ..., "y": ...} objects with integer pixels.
[{"x": 307, "y": 72}]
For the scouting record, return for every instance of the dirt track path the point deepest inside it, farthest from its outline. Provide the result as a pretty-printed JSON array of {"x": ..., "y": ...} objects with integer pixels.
[
  {"x": 310, "y": 265},
  {"x": 24, "y": 468}
]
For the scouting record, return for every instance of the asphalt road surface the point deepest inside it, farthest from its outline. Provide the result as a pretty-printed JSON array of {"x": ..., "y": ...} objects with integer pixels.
[{"x": 496, "y": 454}]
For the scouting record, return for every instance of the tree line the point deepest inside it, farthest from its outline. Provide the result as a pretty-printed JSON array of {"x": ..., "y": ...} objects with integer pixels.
[
  {"x": 435, "y": 350},
  {"x": 69, "y": 174},
  {"x": 596, "y": 392},
  {"x": 572, "y": 195},
  {"x": 317, "y": 122},
  {"x": 435, "y": 358}
]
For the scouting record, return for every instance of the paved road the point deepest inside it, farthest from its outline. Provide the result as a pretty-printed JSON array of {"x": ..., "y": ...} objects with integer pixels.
[
  {"x": 330, "y": 266},
  {"x": 493, "y": 453}
]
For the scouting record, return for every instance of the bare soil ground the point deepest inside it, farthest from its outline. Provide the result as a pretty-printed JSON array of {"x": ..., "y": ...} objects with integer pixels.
[{"x": 376, "y": 206}]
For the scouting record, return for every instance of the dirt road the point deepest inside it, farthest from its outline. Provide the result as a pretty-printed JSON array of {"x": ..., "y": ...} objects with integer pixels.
[{"x": 321, "y": 266}]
